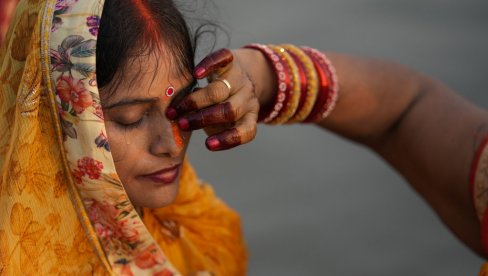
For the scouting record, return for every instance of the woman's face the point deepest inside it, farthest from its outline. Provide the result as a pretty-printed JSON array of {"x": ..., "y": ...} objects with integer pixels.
[{"x": 147, "y": 148}]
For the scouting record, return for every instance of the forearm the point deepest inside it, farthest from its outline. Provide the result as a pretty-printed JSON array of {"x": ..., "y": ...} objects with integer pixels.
[{"x": 373, "y": 96}]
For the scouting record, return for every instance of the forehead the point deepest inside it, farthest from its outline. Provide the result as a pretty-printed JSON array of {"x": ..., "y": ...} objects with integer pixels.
[{"x": 146, "y": 75}]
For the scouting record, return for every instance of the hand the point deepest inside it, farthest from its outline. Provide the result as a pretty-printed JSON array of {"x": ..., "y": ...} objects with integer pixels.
[{"x": 228, "y": 114}]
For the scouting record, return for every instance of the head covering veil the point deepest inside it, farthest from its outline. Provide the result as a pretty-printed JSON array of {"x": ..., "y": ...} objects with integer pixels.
[{"x": 63, "y": 209}]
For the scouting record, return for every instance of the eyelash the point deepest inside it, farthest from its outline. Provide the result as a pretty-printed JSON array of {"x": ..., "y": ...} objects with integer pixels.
[{"x": 135, "y": 124}]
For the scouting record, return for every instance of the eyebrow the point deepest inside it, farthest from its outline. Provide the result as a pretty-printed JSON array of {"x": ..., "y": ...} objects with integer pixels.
[{"x": 134, "y": 101}]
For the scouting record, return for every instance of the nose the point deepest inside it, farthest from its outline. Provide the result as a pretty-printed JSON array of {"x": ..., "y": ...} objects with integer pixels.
[{"x": 167, "y": 140}]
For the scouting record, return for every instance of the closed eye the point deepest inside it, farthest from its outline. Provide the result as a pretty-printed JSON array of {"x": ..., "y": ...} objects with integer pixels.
[{"x": 133, "y": 125}]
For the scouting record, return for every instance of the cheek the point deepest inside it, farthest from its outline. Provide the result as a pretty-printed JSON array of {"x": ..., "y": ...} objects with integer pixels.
[
  {"x": 119, "y": 143},
  {"x": 124, "y": 150}
]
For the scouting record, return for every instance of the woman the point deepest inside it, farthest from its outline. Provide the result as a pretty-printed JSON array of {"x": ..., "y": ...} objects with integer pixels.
[
  {"x": 232, "y": 99},
  {"x": 64, "y": 209}
]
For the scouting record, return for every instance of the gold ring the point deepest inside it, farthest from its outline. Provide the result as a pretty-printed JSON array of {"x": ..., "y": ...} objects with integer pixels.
[{"x": 226, "y": 82}]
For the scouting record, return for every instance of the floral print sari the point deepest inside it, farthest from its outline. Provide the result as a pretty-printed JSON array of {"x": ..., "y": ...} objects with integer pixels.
[{"x": 63, "y": 209}]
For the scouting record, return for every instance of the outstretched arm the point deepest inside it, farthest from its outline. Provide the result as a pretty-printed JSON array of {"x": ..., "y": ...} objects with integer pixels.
[{"x": 418, "y": 125}]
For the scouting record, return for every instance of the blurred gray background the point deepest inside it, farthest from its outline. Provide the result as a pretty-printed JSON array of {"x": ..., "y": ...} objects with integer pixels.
[{"x": 315, "y": 204}]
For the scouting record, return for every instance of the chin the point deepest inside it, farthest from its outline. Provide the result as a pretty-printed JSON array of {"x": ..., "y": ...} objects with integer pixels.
[{"x": 150, "y": 198}]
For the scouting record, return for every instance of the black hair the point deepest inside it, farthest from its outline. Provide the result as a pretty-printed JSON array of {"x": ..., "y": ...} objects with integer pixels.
[{"x": 132, "y": 28}]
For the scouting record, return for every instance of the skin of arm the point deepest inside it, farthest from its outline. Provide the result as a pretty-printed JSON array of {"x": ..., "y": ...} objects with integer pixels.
[
  {"x": 425, "y": 131},
  {"x": 7, "y": 8}
]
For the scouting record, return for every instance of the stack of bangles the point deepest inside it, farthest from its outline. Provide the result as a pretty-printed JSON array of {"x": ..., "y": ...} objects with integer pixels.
[{"x": 307, "y": 84}]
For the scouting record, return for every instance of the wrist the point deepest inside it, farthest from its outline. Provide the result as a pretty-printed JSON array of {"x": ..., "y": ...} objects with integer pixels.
[
  {"x": 303, "y": 80},
  {"x": 260, "y": 72}
]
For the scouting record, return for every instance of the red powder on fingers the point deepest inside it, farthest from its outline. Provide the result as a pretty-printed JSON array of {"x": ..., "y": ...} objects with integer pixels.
[{"x": 177, "y": 136}]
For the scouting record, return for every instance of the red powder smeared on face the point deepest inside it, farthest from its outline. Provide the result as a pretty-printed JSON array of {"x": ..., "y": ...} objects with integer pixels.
[
  {"x": 180, "y": 143},
  {"x": 151, "y": 23},
  {"x": 165, "y": 98}
]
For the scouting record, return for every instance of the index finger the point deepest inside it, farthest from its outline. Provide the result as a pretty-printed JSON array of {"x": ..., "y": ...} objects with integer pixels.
[{"x": 213, "y": 63}]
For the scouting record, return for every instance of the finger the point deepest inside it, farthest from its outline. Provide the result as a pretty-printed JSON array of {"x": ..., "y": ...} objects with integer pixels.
[
  {"x": 214, "y": 129},
  {"x": 212, "y": 63},
  {"x": 229, "y": 111},
  {"x": 214, "y": 93},
  {"x": 244, "y": 132}
]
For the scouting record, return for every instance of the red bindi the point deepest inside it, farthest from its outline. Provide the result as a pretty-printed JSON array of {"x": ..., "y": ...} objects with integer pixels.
[{"x": 170, "y": 91}]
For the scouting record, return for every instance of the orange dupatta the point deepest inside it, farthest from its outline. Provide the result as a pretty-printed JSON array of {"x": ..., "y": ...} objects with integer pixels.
[{"x": 63, "y": 209}]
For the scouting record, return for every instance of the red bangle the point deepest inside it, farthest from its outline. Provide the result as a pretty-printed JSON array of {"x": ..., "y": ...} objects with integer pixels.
[
  {"x": 328, "y": 83},
  {"x": 324, "y": 89},
  {"x": 484, "y": 232},
  {"x": 283, "y": 80},
  {"x": 309, "y": 83},
  {"x": 479, "y": 179},
  {"x": 479, "y": 187},
  {"x": 293, "y": 95}
]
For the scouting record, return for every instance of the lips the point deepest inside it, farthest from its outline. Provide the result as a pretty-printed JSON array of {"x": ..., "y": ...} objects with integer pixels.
[{"x": 165, "y": 176}]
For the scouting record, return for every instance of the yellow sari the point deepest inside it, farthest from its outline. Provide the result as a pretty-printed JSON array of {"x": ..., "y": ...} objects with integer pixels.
[{"x": 63, "y": 209}]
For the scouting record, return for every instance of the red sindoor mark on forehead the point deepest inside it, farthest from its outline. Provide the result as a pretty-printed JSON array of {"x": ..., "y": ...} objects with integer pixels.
[{"x": 151, "y": 23}]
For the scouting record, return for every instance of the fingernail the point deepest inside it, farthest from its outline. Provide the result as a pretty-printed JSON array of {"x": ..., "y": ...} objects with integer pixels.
[
  {"x": 199, "y": 72},
  {"x": 183, "y": 123},
  {"x": 212, "y": 143},
  {"x": 171, "y": 113}
]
